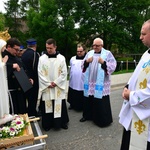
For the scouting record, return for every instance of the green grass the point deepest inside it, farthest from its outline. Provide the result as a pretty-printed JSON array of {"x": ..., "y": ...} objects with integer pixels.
[{"x": 122, "y": 71}]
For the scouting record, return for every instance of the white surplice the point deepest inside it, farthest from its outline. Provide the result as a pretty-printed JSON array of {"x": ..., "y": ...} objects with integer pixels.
[
  {"x": 4, "y": 99},
  {"x": 139, "y": 100},
  {"x": 76, "y": 75},
  {"x": 52, "y": 70}
]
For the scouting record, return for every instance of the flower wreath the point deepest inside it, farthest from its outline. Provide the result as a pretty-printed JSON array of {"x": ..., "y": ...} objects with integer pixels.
[{"x": 13, "y": 128}]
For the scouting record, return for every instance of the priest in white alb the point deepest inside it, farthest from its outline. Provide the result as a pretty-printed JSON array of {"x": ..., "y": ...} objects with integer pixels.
[
  {"x": 52, "y": 71},
  {"x": 4, "y": 99},
  {"x": 135, "y": 111}
]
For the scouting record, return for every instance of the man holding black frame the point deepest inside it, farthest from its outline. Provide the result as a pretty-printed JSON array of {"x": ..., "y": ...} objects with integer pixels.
[{"x": 14, "y": 64}]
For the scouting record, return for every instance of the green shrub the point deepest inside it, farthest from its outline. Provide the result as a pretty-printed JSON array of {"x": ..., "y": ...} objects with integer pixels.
[{"x": 123, "y": 71}]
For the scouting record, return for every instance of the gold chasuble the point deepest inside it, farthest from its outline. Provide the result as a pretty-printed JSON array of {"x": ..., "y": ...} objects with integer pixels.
[
  {"x": 52, "y": 70},
  {"x": 139, "y": 128}
]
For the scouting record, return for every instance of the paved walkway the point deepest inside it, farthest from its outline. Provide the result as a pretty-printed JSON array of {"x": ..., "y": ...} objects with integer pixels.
[
  {"x": 120, "y": 79},
  {"x": 87, "y": 136}
]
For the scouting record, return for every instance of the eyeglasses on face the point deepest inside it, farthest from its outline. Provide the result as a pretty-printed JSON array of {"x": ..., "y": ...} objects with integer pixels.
[
  {"x": 17, "y": 49},
  {"x": 96, "y": 45}
]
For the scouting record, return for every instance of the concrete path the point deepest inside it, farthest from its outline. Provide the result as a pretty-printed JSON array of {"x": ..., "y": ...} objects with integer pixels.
[
  {"x": 120, "y": 79},
  {"x": 87, "y": 136}
]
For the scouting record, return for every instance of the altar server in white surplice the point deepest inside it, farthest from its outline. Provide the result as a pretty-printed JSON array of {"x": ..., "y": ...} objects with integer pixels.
[
  {"x": 52, "y": 71},
  {"x": 135, "y": 111},
  {"x": 75, "y": 92},
  {"x": 4, "y": 99}
]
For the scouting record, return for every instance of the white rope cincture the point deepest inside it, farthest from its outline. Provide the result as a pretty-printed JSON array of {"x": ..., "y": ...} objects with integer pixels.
[{"x": 11, "y": 103}]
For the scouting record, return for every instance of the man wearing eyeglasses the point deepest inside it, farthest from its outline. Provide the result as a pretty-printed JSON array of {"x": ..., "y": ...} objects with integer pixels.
[
  {"x": 99, "y": 64},
  {"x": 13, "y": 63},
  {"x": 75, "y": 92}
]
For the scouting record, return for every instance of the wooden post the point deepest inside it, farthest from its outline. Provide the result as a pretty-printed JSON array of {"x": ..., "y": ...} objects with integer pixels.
[{"x": 127, "y": 65}]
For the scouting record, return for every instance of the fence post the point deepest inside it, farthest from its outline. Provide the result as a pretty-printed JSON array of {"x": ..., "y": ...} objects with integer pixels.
[
  {"x": 127, "y": 65},
  {"x": 121, "y": 65},
  {"x": 135, "y": 63}
]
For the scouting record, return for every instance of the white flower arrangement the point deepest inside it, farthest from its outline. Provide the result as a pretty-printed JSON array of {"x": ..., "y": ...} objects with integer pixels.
[{"x": 13, "y": 128}]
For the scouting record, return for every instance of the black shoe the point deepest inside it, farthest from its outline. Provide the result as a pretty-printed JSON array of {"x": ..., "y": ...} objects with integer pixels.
[
  {"x": 65, "y": 126},
  {"x": 82, "y": 119},
  {"x": 46, "y": 129},
  {"x": 56, "y": 129},
  {"x": 70, "y": 107},
  {"x": 39, "y": 114}
]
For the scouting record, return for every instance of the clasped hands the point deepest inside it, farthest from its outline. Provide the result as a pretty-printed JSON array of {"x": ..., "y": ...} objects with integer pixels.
[
  {"x": 100, "y": 60},
  {"x": 126, "y": 93},
  {"x": 52, "y": 85}
]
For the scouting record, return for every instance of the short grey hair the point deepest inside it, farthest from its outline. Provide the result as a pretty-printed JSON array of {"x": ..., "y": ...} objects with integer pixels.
[{"x": 99, "y": 39}]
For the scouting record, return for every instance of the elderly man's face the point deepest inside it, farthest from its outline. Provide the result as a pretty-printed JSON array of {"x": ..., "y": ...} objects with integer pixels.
[{"x": 97, "y": 45}]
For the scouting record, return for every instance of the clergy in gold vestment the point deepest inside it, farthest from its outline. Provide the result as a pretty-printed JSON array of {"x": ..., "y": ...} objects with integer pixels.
[
  {"x": 135, "y": 111},
  {"x": 52, "y": 73}
]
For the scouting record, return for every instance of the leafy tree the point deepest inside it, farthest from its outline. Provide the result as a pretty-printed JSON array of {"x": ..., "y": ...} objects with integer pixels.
[
  {"x": 117, "y": 22},
  {"x": 25, "y": 5},
  {"x": 66, "y": 26},
  {"x": 2, "y": 22},
  {"x": 16, "y": 15},
  {"x": 43, "y": 24},
  {"x": 129, "y": 16},
  {"x": 85, "y": 19},
  {"x": 13, "y": 17},
  {"x": 54, "y": 20}
]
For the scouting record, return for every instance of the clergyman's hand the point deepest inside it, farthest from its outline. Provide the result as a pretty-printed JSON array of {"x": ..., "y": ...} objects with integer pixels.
[
  {"x": 52, "y": 85},
  {"x": 100, "y": 60},
  {"x": 16, "y": 66},
  {"x": 31, "y": 80},
  {"x": 89, "y": 60},
  {"x": 126, "y": 93}
]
